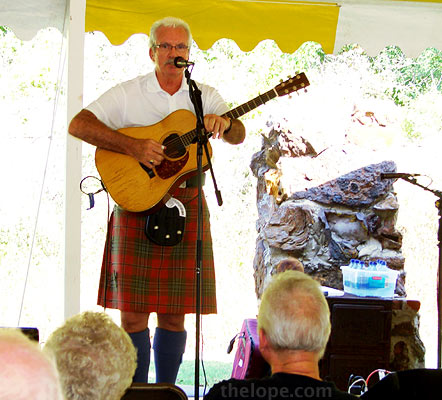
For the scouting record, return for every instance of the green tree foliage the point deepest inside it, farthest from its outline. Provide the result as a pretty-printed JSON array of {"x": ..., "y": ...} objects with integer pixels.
[
  {"x": 407, "y": 78},
  {"x": 425, "y": 72},
  {"x": 309, "y": 55}
]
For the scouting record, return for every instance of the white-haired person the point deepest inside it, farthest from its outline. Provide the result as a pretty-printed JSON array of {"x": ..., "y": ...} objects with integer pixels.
[
  {"x": 25, "y": 371},
  {"x": 294, "y": 327},
  {"x": 95, "y": 358}
]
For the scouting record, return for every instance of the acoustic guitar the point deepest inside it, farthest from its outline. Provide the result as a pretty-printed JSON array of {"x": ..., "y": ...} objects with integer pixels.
[{"x": 135, "y": 187}]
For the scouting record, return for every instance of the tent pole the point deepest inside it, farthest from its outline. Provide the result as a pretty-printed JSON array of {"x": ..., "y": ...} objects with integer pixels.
[{"x": 72, "y": 236}]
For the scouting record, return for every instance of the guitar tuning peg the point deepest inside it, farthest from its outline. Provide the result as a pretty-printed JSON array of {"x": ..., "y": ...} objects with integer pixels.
[{"x": 280, "y": 81}]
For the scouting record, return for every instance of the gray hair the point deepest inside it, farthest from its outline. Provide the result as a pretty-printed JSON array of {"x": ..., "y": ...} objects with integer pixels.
[
  {"x": 169, "y": 22},
  {"x": 294, "y": 313},
  {"x": 95, "y": 357},
  {"x": 26, "y": 372}
]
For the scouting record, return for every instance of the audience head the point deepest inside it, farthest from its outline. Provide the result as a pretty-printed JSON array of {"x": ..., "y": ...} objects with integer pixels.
[
  {"x": 168, "y": 22},
  {"x": 289, "y": 264},
  {"x": 294, "y": 314},
  {"x": 95, "y": 357},
  {"x": 26, "y": 372}
]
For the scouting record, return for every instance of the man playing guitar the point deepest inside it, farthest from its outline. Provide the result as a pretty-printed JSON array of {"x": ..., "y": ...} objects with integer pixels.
[{"x": 139, "y": 277}]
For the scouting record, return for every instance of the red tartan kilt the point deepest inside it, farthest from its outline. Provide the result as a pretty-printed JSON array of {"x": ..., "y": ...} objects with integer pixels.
[{"x": 144, "y": 277}]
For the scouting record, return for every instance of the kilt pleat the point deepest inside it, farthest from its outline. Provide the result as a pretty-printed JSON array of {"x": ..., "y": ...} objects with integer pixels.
[{"x": 140, "y": 276}]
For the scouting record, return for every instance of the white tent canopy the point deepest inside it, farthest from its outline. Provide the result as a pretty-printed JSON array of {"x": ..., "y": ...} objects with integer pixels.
[
  {"x": 413, "y": 26},
  {"x": 26, "y": 18}
]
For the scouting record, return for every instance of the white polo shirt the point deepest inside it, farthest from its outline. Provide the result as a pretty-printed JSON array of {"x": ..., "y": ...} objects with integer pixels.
[{"x": 142, "y": 102}]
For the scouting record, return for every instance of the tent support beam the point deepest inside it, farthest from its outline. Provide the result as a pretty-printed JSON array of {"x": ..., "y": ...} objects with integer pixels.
[{"x": 72, "y": 236}]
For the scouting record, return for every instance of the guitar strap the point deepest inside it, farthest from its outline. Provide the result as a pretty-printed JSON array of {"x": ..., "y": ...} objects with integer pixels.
[{"x": 166, "y": 226}]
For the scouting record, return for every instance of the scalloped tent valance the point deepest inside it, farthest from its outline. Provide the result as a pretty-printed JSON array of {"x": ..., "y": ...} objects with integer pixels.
[
  {"x": 374, "y": 24},
  {"x": 246, "y": 22}
]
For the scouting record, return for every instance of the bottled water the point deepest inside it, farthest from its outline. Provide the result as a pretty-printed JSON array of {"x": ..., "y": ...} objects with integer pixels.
[
  {"x": 372, "y": 266},
  {"x": 381, "y": 265}
]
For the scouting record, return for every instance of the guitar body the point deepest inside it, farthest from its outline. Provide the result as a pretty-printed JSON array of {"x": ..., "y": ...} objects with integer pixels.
[{"x": 137, "y": 188}]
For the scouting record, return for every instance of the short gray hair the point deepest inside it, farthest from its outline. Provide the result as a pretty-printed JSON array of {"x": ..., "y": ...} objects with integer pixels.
[
  {"x": 96, "y": 358},
  {"x": 294, "y": 313},
  {"x": 26, "y": 372},
  {"x": 169, "y": 22}
]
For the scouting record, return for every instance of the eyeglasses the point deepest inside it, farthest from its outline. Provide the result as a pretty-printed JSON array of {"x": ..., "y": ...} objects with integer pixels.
[{"x": 180, "y": 48}]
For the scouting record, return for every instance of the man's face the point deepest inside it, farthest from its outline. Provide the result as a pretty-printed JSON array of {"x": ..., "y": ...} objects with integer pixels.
[{"x": 164, "y": 55}]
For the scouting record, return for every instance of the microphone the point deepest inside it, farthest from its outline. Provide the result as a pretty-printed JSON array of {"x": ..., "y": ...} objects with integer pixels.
[
  {"x": 180, "y": 62},
  {"x": 394, "y": 175}
]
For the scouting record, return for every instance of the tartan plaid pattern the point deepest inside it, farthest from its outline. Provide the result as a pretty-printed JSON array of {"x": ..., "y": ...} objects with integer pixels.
[{"x": 144, "y": 277}]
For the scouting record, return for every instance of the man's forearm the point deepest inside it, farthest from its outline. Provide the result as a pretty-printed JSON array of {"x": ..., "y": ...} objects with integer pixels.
[{"x": 87, "y": 127}]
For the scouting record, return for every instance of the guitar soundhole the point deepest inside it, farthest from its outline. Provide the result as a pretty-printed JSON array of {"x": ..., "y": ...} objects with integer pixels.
[{"x": 174, "y": 146}]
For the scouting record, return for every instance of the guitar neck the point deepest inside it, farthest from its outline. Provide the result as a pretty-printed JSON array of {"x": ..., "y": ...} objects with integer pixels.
[
  {"x": 287, "y": 87},
  {"x": 189, "y": 137},
  {"x": 251, "y": 105}
]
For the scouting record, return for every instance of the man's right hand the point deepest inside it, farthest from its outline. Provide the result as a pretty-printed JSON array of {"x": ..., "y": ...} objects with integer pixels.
[{"x": 148, "y": 152}]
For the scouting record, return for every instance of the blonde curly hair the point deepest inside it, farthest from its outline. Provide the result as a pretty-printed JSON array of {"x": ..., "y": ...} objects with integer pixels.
[{"x": 95, "y": 357}]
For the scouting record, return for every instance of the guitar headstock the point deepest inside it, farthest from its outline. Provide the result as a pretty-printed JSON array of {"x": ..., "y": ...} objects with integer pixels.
[{"x": 293, "y": 84}]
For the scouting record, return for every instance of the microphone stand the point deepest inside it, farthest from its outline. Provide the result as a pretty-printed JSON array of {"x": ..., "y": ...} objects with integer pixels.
[
  {"x": 438, "y": 203},
  {"x": 202, "y": 138}
]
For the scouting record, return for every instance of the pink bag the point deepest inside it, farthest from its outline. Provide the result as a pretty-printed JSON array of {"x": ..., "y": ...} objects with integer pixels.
[{"x": 248, "y": 362}]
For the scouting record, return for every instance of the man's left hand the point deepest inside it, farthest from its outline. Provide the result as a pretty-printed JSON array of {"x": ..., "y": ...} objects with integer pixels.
[{"x": 216, "y": 124}]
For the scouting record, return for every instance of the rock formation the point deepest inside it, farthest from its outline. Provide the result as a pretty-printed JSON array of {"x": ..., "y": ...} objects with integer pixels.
[{"x": 325, "y": 222}]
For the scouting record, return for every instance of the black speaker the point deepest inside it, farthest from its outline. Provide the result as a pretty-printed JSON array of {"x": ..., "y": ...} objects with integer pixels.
[{"x": 31, "y": 333}]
